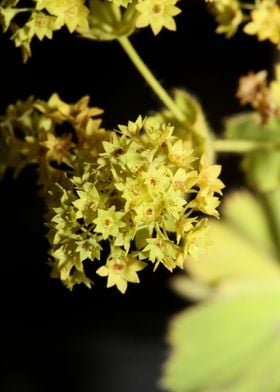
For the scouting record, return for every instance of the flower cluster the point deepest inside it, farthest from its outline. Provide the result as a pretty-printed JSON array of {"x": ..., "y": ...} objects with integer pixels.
[
  {"x": 31, "y": 133},
  {"x": 141, "y": 201},
  {"x": 95, "y": 19},
  {"x": 261, "y": 18},
  {"x": 125, "y": 197}
]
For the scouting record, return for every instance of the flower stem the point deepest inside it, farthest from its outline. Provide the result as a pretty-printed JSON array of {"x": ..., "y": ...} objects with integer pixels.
[
  {"x": 150, "y": 78},
  {"x": 243, "y": 146}
]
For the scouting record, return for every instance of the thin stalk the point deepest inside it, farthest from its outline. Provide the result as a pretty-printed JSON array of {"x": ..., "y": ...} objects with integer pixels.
[
  {"x": 243, "y": 146},
  {"x": 150, "y": 78}
]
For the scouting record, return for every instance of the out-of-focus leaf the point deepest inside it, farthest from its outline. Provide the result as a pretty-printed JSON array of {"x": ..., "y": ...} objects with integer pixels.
[
  {"x": 191, "y": 288},
  {"x": 245, "y": 213},
  {"x": 262, "y": 169},
  {"x": 262, "y": 166},
  {"x": 248, "y": 126},
  {"x": 221, "y": 344},
  {"x": 231, "y": 256}
]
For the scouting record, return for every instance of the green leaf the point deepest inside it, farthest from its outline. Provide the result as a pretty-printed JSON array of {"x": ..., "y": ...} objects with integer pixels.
[
  {"x": 230, "y": 256},
  {"x": 231, "y": 344},
  {"x": 262, "y": 166},
  {"x": 247, "y": 215},
  {"x": 248, "y": 126},
  {"x": 262, "y": 169}
]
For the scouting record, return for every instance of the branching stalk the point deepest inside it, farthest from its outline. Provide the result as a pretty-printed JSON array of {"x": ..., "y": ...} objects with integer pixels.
[{"x": 150, "y": 78}]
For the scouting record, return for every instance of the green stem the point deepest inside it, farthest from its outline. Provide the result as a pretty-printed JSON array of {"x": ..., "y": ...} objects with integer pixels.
[
  {"x": 150, "y": 79},
  {"x": 243, "y": 146}
]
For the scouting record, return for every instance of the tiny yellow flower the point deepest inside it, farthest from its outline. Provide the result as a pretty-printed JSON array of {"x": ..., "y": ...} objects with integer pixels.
[
  {"x": 120, "y": 269},
  {"x": 72, "y": 13},
  {"x": 157, "y": 14},
  {"x": 208, "y": 176},
  {"x": 265, "y": 22},
  {"x": 228, "y": 15},
  {"x": 41, "y": 25},
  {"x": 58, "y": 148},
  {"x": 180, "y": 153},
  {"x": 196, "y": 240},
  {"x": 206, "y": 202},
  {"x": 185, "y": 181},
  {"x": 108, "y": 222}
]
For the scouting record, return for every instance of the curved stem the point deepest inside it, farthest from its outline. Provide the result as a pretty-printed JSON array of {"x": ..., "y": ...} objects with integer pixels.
[{"x": 150, "y": 78}]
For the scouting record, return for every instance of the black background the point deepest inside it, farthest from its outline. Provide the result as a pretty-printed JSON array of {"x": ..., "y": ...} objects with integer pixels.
[{"x": 100, "y": 340}]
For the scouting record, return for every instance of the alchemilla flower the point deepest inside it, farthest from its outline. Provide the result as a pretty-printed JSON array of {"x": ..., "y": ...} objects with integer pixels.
[
  {"x": 120, "y": 269},
  {"x": 142, "y": 196},
  {"x": 265, "y": 21},
  {"x": 121, "y": 200},
  {"x": 157, "y": 14}
]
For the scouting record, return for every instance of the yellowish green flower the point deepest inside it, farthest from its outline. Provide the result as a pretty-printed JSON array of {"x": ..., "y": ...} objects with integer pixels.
[
  {"x": 58, "y": 148},
  {"x": 88, "y": 248},
  {"x": 8, "y": 13},
  {"x": 185, "y": 181},
  {"x": 72, "y": 13},
  {"x": 120, "y": 269},
  {"x": 174, "y": 202},
  {"x": 181, "y": 153},
  {"x": 228, "y": 14},
  {"x": 183, "y": 226},
  {"x": 69, "y": 267},
  {"x": 147, "y": 214},
  {"x": 108, "y": 222},
  {"x": 196, "y": 240},
  {"x": 206, "y": 202},
  {"x": 87, "y": 203},
  {"x": 208, "y": 176},
  {"x": 162, "y": 250},
  {"x": 157, "y": 14},
  {"x": 22, "y": 39},
  {"x": 41, "y": 25},
  {"x": 157, "y": 180},
  {"x": 265, "y": 23}
]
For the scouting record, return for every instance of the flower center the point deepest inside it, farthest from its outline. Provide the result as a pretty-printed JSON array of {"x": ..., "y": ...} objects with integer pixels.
[{"x": 157, "y": 8}]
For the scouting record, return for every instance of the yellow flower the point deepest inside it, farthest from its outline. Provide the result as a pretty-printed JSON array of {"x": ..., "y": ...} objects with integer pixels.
[
  {"x": 41, "y": 25},
  {"x": 196, "y": 240},
  {"x": 228, "y": 15},
  {"x": 109, "y": 222},
  {"x": 120, "y": 269},
  {"x": 265, "y": 22},
  {"x": 208, "y": 176},
  {"x": 206, "y": 202},
  {"x": 157, "y": 14},
  {"x": 58, "y": 148},
  {"x": 181, "y": 153},
  {"x": 72, "y": 13}
]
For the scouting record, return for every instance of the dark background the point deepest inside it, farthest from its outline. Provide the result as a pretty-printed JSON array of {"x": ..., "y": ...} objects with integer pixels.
[{"x": 100, "y": 340}]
